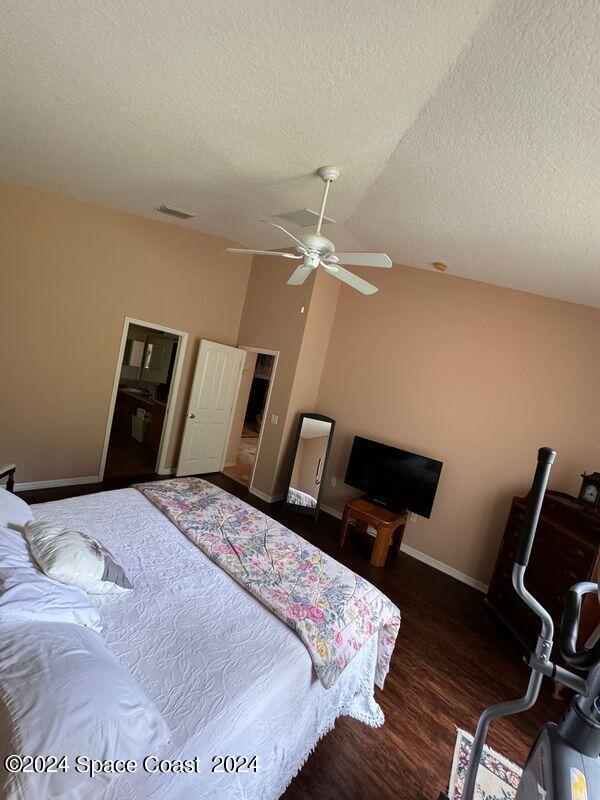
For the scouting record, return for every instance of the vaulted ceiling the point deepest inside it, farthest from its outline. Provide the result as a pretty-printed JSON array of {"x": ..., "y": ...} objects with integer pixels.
[{"x": 467, "y": 131}]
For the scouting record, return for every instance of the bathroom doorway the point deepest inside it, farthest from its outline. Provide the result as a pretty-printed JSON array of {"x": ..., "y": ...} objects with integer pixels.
[{"x": 144, "y": 393}]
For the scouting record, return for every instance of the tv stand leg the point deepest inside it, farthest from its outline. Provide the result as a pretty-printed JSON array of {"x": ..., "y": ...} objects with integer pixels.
[
  {"x": 398, "y": 536},
  {"x": 381, "y": 546},
  {"x": 345, "y": 523}
]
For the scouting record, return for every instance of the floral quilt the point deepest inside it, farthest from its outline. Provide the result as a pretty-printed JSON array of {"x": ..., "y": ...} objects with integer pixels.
[{"x": 333, "y": 610}]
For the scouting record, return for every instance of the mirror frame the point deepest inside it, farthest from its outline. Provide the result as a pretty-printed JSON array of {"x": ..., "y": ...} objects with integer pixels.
[{"x": 311, "y": 512}]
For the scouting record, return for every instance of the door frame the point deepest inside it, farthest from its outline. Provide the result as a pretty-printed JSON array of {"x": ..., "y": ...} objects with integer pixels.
[
  {"x": 267, "y": 352},
  {"x": 165, "y": 438}
]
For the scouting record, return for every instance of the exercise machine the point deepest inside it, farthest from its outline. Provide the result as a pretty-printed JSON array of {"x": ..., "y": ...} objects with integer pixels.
[{"x": 564, "y": 762}]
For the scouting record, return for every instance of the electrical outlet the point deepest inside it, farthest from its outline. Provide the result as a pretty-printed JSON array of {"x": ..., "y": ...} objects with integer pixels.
[
  {"x": 274, "y": 419},
  {"x": 412, "y": 517},
  {"x": 333, "y": 481}
]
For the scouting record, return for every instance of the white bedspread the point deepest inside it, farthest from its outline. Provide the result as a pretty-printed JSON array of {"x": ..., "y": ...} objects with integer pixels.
[{"x": 227, "y": 675}]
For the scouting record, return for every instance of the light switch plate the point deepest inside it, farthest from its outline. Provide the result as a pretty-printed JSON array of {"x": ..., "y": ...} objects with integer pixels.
[
  {"x": 412, "y": 517},
  {"x": 274, "y": 419},
  {"x": 333, "y": 481}
]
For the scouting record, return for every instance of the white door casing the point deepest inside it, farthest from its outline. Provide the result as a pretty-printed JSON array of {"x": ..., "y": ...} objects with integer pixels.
[
  {"x": 210, "y": 410},
  {"x": 182, "y": 338}
]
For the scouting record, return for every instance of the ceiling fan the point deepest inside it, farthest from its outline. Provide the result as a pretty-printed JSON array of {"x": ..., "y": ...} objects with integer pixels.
[{"x": 315, "y": 250}]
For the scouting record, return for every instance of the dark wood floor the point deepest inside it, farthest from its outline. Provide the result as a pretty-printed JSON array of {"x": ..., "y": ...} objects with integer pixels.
[
  {"x": 451, "y": 660},
  {"x": 126, "y": 456}
]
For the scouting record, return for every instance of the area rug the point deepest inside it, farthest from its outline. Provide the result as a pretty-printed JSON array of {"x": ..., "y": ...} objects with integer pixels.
[{"x": 497, "y": 778}]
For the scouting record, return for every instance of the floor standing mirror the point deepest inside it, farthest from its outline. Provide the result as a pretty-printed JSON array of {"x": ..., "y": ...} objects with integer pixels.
[{"x": 309, "y": 464}]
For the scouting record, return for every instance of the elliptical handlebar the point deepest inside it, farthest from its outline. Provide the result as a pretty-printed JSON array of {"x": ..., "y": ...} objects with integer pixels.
[
  {"x": 545, "y": 460},
  {"x": 569, "y": 629}
]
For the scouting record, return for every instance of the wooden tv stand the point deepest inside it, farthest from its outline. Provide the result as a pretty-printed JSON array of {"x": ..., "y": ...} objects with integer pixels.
[{"x": 388, "y": 524}]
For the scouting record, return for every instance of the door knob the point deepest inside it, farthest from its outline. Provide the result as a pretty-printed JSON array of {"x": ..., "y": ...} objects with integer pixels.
[{"x": 192, "y": 416}]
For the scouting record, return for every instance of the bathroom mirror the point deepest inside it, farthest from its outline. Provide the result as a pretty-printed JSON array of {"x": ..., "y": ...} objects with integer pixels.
[{"x": 308, "y": 464}]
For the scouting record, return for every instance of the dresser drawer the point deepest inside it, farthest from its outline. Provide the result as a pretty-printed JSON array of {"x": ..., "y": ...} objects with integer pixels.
[
  {"x": 516, "y": 517},
  {"x": 504, "y": 564},
  {"x": 573, "y": 517},
  {"x": 504, "y": 602},
  {"x": 561, "y": 544}
]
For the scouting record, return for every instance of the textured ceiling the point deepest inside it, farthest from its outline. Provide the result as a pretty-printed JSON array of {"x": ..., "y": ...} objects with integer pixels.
[{"x": 467, "y": 130}]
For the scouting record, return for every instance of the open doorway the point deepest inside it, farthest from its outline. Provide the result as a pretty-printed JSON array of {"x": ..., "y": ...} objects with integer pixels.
[
  {"x": 144, "y": 392},
  {"x": 249, "y": 414}
]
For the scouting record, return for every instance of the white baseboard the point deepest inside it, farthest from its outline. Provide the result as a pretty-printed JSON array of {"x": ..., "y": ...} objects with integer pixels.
[
  {"x": 266, "y": 497},
  {"x": 331, "y": 510},
  {"x": 23, "y": 487},
  {"x": 448, "y": 570},
  {"x": 426, "y": 559},
  {"x": 167, "y": 471}
]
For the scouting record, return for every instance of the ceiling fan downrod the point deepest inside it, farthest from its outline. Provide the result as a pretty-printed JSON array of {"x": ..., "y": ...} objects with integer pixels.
[{"x": 327, "y": 174}]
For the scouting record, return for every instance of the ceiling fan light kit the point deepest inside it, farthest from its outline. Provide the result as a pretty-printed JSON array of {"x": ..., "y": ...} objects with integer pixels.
[{"x": 316, "y": 250}]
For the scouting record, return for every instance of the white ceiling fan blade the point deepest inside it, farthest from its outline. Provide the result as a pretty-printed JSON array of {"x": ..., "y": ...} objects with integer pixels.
[
  {"x": 361, "y": 259},
  {"x": 299, "y": 275},
  {"x": 262, "y": 252},
  {"x": 348, "y": 277},
  {"x": 287, "y": 233}
]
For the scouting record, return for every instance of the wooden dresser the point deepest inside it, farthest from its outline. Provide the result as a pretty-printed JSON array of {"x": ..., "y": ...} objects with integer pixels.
[{"x": 566, "y": 551}]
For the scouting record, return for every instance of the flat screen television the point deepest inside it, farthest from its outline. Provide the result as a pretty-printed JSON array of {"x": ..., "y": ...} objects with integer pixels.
[{"x": 393, "y": 478}]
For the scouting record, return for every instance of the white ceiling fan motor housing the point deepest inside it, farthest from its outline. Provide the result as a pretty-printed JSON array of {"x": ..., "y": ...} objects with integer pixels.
[{"x": 317, "y": 243}]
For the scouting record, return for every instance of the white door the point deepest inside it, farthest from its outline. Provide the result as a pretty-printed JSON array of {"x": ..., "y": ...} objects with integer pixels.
[{"x": 212, "y": 400}]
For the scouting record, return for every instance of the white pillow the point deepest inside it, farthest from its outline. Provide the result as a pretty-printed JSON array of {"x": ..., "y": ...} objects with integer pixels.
[
  {"x": 13, "y": 510},
  {"x": 64, "y": 693},
  {"x": 76, "y": 558},
  {"x": 26, "y": 594}
]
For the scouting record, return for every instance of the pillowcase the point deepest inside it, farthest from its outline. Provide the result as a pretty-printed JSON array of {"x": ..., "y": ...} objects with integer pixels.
[
  {"x": 28, "y": 595},
  {"x": 76, "y": 558},
  {"x": 64, "y": 693},
  {"x": 13, "y": 510}
]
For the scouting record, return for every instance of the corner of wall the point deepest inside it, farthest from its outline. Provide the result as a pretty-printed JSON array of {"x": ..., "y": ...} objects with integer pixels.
[{"x": 320, "y": 314}]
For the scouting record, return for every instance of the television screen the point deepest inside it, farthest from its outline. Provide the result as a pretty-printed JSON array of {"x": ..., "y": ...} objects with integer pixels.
[{"x": 392, "y": 477}]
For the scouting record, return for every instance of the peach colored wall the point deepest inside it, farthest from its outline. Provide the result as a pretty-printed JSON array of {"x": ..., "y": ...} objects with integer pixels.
[
  {"x": 475, "y": 375},
  {"x": 272, "y": 320},
  {"x": 71, "y": 273},
  {"x": 320, "y": 313}
]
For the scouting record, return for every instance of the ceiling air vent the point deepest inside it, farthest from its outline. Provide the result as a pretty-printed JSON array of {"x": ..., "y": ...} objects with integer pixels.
[
  {"x": 171, "y": 211},
  {"x": 304, "y": 217}
]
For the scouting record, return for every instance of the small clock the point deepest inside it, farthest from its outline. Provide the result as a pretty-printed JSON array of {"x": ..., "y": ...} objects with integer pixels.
[{"x": 589, "y": 494}]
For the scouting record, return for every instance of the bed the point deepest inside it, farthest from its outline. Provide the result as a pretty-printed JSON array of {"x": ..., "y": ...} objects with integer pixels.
[
  {"x": 228, "y": 676},
  {"x": 298, "y": 498}
]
